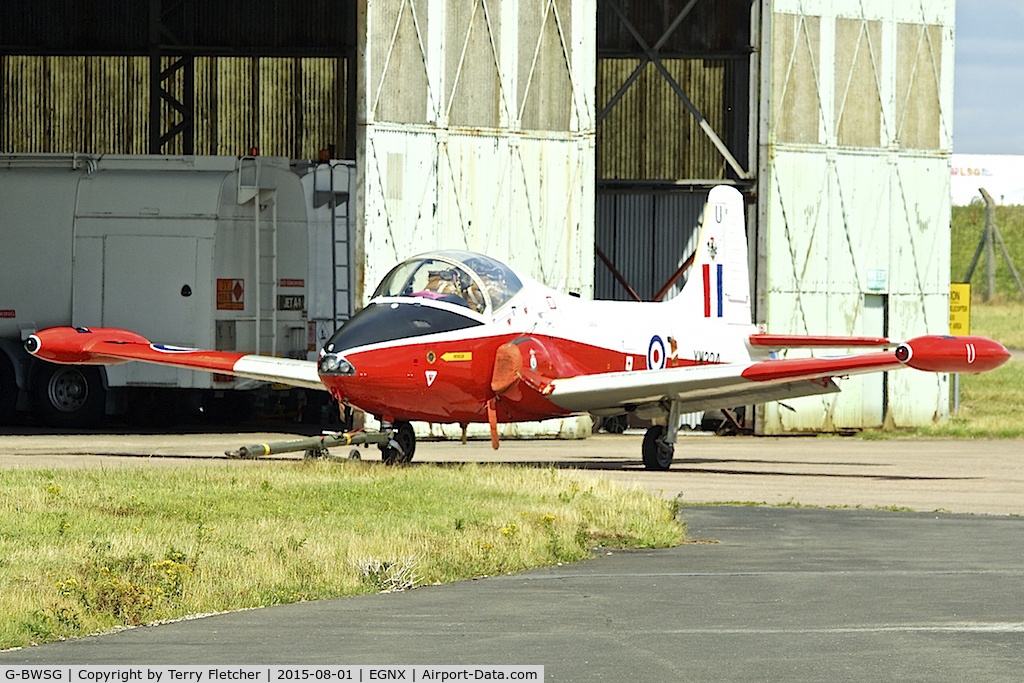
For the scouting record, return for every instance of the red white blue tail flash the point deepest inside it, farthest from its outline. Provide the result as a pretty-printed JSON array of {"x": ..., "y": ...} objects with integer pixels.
[{"x": 712, "y": 290}]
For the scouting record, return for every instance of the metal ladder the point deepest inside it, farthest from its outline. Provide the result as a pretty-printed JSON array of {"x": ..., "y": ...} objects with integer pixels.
[
  {"x": 330, "y": 188},
  {"x": 252, "y": 188}
]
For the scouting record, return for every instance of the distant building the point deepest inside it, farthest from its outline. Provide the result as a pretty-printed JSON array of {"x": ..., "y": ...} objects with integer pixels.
[{"x": 1002, "y": 176}]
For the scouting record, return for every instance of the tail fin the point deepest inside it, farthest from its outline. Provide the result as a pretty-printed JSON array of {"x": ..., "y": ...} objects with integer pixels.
[{"x": 718, "y": 286}]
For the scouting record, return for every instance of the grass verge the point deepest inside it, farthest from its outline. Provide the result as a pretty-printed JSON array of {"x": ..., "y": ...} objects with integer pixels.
[
  {"x": 1003, "y": 322},
  {"x": 990, "y": 407},
  {"x": 85, "y": 551}
]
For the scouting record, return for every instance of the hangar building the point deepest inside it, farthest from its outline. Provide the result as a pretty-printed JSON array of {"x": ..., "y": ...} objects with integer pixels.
[{"x": 576, "y": 139}]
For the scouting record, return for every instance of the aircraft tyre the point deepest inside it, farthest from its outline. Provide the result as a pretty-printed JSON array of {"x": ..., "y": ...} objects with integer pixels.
[
  {"x": 657, "y": 453},
  {"x": 406, "y": 438},
  {"x": 68, "y": 395},
  {"x": 616, "y": 424}
]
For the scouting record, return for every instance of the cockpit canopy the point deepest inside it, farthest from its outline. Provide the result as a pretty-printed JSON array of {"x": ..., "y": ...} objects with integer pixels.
[
  {"x": 459, "y": 277},
  {"x": 473, "y": 286}
]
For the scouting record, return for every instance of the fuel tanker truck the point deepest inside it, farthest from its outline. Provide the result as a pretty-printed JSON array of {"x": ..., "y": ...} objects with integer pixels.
[{"x": 249, "y": 254}]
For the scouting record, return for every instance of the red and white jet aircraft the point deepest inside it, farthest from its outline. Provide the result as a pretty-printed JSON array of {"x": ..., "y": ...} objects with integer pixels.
[{"x": 453, "y": 336}]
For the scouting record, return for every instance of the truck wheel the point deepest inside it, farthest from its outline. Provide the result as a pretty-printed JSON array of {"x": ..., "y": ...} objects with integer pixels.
[
  {"x": 8, "y": 391},
  {"x": 68, "y": 395}
]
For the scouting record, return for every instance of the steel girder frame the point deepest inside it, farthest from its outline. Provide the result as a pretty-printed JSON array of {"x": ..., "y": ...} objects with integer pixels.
[
  {"x": 854, "y": 200},
  {"x": 172, "y": 76},
  {"x": 651, "y": 55},
  {"x": 173, "y": 56}
]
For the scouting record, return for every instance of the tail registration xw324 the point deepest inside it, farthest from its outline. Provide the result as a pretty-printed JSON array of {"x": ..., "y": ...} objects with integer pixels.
[{"x": 453, "y": 336}]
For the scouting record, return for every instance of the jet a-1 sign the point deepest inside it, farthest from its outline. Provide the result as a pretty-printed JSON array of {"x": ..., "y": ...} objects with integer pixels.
[{"x": 458, "y": 337}]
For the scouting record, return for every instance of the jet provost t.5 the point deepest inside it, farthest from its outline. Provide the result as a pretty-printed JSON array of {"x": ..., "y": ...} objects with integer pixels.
[{"x": 454, "y": 336}]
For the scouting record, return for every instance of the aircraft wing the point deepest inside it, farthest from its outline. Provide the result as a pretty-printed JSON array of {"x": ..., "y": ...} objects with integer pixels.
[
  {"x": 111, "y": 346},
  {"x": 709, "y": 387}
]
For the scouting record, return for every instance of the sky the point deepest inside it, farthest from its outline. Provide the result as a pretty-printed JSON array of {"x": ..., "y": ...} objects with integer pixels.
[{"x": 988, "y": 77}]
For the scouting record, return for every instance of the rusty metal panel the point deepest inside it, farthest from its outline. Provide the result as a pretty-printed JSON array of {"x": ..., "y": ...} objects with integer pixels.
[
  {"x": 649, "y": 134},
  {"x": 398, "y": 85},
  {"x": 545, "y": 88},
  {"x": 71, "y": 104},
  {"x": 918, "y": 74},
  {"x": 21, "y": 77},
  {"x": 279, "y": 93},
  {"x": 323, "y": 105},
  {"x": 472, "y": 79},
  {"x": 283, "y": 106},
  {"x": 858, "y": 100},
  {"x": 797, "y": 108},
  {"x": 224, "y": 106}
]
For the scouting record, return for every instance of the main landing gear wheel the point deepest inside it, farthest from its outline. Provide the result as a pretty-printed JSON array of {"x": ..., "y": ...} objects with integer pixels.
[
  {"x": 69, "y": 395},
  {"x": 405, "y": 440},
  {"x": 657, "y": 452}
]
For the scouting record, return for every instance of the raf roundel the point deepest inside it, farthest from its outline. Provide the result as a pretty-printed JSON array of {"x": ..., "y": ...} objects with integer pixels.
[
  {"x": 656, "y": 353},
  {"x": 168, "y": 348}
]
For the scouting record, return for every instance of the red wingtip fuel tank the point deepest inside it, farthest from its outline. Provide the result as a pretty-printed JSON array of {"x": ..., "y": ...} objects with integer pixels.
[
  {"x": 79, "y": 345},
  {"x": 937, "y": 353}
]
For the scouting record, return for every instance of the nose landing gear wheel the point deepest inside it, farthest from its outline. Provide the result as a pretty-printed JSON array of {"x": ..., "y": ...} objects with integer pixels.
[
  {"x": 657, "y": 452},
  {"x": 405, "y": 440}
]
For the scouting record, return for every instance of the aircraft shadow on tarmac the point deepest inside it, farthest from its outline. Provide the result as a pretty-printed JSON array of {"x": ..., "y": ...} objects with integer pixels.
[
  {"x": 683, "y": 466},
  {"x": 680, "y": 466}
]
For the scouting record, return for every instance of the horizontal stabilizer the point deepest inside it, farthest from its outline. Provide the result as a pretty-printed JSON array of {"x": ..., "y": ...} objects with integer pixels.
[{"x": 793, "y": 341}]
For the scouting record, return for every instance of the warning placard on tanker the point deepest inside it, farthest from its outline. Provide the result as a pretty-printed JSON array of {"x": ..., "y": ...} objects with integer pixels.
[{"x": 230, "y": 294}]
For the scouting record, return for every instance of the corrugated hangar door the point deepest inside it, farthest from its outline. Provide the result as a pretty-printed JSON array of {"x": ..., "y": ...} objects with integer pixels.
[
  {"x": 479, "y": 135},
  {"x": 854, "y": 196},
  {"x": 646, "y": 238},
  {"x": 674, "y": 118}
]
